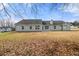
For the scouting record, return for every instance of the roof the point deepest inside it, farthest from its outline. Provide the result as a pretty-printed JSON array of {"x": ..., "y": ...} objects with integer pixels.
[
  {"x": 30, "y": 21},
  {"x": 58, "y": 22},
  {"x": 39, "y": 21},
  {"x": 53, "y": 22},
  {"x": 46, "y": 22}
]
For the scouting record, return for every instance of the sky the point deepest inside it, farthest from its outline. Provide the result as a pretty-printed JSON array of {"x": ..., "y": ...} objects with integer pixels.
[{"x": 46, "y": 11}]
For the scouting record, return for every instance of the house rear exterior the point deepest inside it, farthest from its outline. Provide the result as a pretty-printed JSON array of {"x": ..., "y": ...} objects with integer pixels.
[
  {"x": 29, "y": 25},
  {"x": 5, "y": 29},
  {"x": 39, "y": 25}
]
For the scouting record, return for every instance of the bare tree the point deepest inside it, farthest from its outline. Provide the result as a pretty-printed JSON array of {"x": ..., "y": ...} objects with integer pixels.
[
  {"x": 9, "y": 23},
  {"x": 2, "y": 23}
]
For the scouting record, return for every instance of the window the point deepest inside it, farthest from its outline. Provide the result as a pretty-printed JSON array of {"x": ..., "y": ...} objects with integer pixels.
[
  {"x": 30, "y": 27},
  {"x": 46, "y": 27},
  {"x": 37, "y": 27},
  {"x": 22, "y": 27},
  {"x": 54, "y": 27}
]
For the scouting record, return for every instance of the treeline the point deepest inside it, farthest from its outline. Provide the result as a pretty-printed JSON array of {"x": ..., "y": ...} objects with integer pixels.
[{"x": 75, "y": 23}]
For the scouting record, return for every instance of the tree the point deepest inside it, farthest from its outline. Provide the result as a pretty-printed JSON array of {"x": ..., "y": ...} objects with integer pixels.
[
  {"x": 75, "y": 23},
  {"x": 2, "y": 23},
  {"x": 9, "y": 23}
]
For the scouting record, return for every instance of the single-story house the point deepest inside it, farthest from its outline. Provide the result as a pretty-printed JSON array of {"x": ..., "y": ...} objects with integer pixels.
[
  {"x": 39, "y": 25},
  {"x": 5, "y": 29}
]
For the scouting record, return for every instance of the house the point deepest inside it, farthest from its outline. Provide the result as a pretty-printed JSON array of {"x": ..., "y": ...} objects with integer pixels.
[
  {"x": 39, "y": 25},
  {"x": 5, "y": 29}
]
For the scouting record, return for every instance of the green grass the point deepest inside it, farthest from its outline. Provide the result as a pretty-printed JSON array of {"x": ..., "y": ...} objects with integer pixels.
[{"x": 4, "y": 33}]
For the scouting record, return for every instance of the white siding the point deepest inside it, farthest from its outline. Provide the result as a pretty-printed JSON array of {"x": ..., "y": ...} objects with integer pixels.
[
  {"x": 51, "y": 28},
  {"x": 58, "y": 27},
  {"x": 27, "y": 27},
  {"x": 66, "y": 27},
  {"x": 42, "y": 27}
]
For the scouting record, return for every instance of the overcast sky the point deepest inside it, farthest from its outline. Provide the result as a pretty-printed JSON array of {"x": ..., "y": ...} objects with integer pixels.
[{"x": 45, "y": 11}]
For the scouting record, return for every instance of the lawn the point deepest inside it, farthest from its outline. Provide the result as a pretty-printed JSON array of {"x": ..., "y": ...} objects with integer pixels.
[{"x": 50, "y": 43}]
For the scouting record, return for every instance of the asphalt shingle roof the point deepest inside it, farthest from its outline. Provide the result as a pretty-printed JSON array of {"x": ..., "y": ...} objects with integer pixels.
[
  {"x": 30, "y": 21},
  {"x": 39, "y": 21}
]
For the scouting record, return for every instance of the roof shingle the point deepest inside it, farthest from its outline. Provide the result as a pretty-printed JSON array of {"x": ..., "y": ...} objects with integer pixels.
[
  {"x": 30, "y": 21},
  {"x": 39, "y": 21}
]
